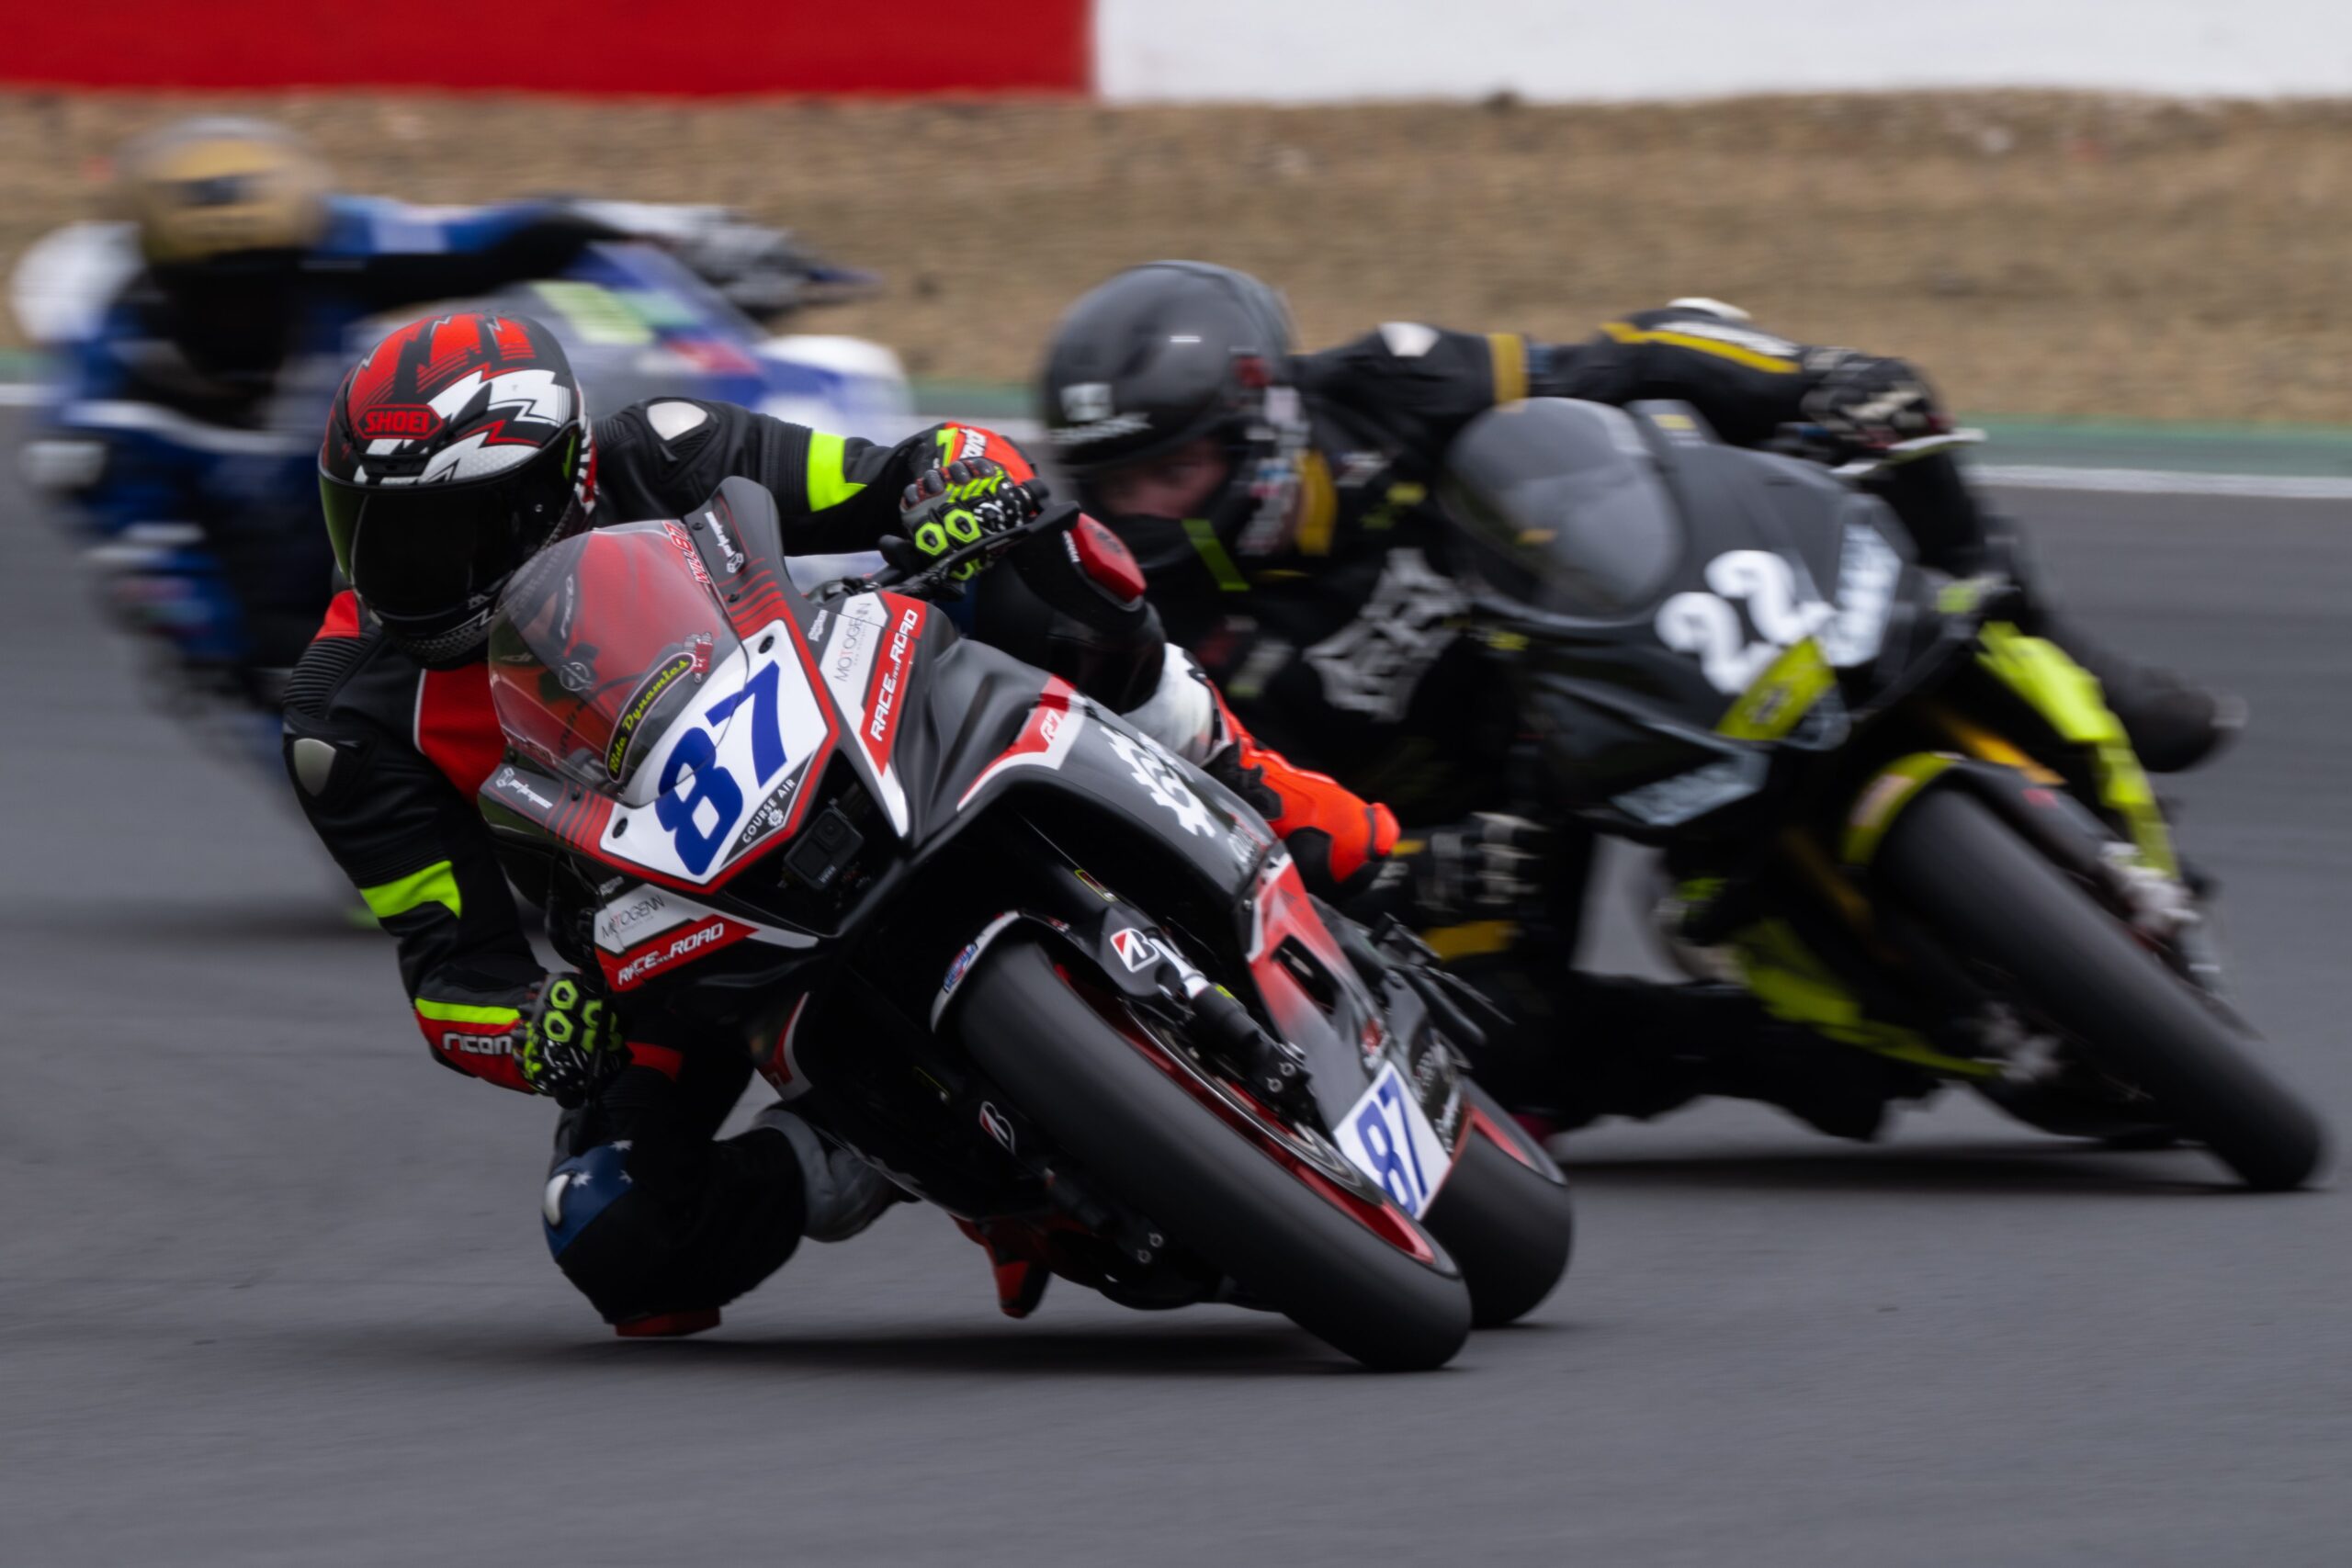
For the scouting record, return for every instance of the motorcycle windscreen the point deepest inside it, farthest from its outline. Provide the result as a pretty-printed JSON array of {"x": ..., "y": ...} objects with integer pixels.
[
  {"x": 600, "y": 642},
  {"x": 1561, "y": 508}
]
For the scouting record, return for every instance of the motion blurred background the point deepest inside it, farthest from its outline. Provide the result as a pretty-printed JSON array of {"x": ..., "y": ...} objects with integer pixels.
[
  {"x": 2106, "y": 208},
  {"x": 272, "y": 1289}
]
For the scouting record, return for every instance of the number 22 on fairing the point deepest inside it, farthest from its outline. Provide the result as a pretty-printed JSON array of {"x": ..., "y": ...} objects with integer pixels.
[
  {"x": 1706, "y": 626},
  {"x": 1385, "y": 1135}
]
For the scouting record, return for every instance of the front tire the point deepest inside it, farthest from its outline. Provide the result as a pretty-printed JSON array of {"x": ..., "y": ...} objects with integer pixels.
[
  {"x": 1974, "y": 881},
  {"x": 1505, "y": 1215},
  {"x": 1158, "y": 1149}
]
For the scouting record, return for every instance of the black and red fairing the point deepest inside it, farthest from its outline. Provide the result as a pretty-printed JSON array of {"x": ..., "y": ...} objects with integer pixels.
[
  {"x": 934, "y": 727},
  {"x": 1312, "y": 995},
  {"x": 617, "y": 646},
  {"x": 1306, "y": 981},
  {"x": 939, "y": 733},
  {"x": 955, "y": 745}
]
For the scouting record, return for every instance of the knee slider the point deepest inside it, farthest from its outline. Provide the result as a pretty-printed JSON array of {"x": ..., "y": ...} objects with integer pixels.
[
  {"x": 607, "y": 1235},
  {"x": 579, "y": 1191}
]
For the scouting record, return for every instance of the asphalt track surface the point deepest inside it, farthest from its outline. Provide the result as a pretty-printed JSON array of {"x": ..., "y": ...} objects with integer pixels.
[{"x": 272, "y": 1289}]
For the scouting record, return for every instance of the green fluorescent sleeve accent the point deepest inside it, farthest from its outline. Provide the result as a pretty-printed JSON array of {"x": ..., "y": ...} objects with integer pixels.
[
  {"x": 436, "y": 884},
  {"x": 1229, "y": 576},
  {"x": 464, "y": 1012},
  {"x": 828, "y": 483}
]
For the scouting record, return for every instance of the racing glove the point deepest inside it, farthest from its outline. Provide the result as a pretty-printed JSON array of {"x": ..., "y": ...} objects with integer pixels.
[
  {"x": 569, "y": 1042},
  {"x": 1488, "y": 866},
  {"x": 1868, "y": 402},
  {"x": 947, "y": 508}
]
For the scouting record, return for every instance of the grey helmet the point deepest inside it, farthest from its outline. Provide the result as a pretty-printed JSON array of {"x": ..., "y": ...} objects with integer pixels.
[{"x": 1161, "y": 355}]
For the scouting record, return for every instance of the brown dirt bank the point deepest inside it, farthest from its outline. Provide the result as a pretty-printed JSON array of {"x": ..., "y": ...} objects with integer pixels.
[{"x": 2040, "y": 253}]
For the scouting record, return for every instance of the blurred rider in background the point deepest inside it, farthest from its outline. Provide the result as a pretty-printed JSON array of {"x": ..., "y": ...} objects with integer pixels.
[
  {"x": 185, "y": 426},
  {"x": 1280, "y": 505}
]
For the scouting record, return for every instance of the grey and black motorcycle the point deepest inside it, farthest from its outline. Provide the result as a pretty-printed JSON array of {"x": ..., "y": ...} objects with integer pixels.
[
  {"x": 1887, "y": 811},
  {"x": 1039, "y": 971}
]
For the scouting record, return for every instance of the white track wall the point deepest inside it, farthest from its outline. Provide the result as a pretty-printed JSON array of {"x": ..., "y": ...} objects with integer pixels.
[{"x": 1303, "y": 50}]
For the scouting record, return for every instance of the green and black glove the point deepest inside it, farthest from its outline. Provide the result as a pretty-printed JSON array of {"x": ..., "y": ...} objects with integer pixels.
[
  {"x": 571, "y": 1042},
  {"x": 948, "y": 508}
]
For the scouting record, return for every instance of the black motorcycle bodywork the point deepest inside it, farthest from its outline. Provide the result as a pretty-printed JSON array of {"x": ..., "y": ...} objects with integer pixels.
[
  {"x": 1732, "y": 655},
  {"x": 922, "y": 799}
]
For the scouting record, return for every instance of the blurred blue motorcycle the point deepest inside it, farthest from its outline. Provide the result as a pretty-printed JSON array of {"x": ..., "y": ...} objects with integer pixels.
[{"x": 204, "y": 535}]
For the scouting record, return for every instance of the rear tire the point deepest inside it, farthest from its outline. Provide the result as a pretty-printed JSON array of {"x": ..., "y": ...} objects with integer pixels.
[
  {"x": 1976, "y": 882},
  {"x": 1157, "y": 1149},
  {"x": 1509, "y": 1222}
]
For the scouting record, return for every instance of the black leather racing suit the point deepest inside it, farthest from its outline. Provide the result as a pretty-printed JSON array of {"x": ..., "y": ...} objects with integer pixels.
[
  {"x": 656, "y": 1218},
  {"x": 1341, "y": 649}
]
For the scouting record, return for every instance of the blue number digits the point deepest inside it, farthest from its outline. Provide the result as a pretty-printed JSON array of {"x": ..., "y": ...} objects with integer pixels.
[
  {"x": 768, "y": 720},
  {"x": 1393, "y": 1091},
  {"x": 1373, "y": 1130},
  {"x": 712, "y": 786}
]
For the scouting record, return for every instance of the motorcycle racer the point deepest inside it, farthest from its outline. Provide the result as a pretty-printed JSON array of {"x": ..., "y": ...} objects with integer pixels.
[
  {"x": 239, "y": 275},
  {"x": 1279, "y": 504},
  {"x": 456, "y": 451}
]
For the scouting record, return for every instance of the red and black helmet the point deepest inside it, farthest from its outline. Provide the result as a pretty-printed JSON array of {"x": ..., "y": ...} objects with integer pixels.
[{"x": 457, "y": 450}]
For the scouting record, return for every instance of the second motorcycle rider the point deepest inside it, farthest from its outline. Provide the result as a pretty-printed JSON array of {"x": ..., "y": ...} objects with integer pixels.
[{"x": 1280, "y": 505}]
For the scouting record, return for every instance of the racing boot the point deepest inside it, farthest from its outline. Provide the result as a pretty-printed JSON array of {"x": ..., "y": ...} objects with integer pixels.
[
  {"x": 1015, "y": 1264},
  {"x": 1337, "y": 837},
  {"x": 1842, "y": 1091},
  {"x": 1616, "y": 1046},
  {"x": 2173, "y": 724}
]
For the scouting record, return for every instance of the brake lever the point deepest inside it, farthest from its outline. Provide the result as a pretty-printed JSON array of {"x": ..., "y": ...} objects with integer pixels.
[
  {"x": 1394, "y": 948},
  {"x": 1904, "y": 452},
  {"x": 1814, "y": 443}
]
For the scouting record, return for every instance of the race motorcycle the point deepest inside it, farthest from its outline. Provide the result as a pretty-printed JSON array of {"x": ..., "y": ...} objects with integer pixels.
[
  {"x": 1039, "y": 971},
  {"x": 236, "y": 507},
  {"x": 634, "y": 320},
  {"x": 1889, "y": 813}
]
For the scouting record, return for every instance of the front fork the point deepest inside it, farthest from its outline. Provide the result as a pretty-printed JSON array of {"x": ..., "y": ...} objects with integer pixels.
[{"x": 2136, "y": 872}]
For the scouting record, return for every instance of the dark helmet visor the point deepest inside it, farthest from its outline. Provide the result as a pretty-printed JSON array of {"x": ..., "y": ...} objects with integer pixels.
[{"x": 425, "y": 549}]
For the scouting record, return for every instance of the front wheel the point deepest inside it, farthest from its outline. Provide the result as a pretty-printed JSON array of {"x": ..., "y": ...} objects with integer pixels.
[
  {"x": 1504, "y": 1213},
  {"x": 1977, "y": 883},
  {"x": 1361, "y": 1277}
]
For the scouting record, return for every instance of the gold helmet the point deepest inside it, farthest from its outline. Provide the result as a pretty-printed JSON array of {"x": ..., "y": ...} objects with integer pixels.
[{"x": 205, "y": 190}]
